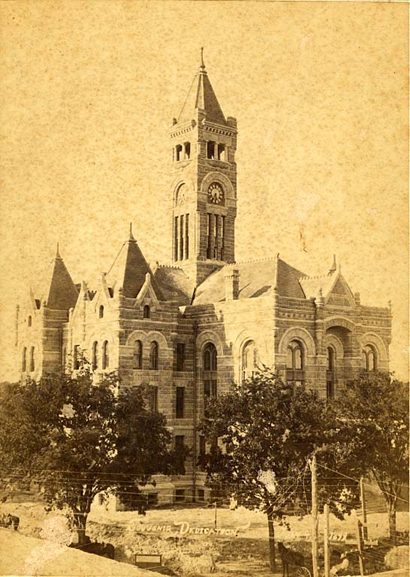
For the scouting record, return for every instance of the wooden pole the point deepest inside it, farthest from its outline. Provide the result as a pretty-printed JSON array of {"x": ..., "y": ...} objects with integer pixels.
[
  {"x": 360, "y": 546},
  {"x": 314, "y": 518},
  {"x": 216, "y": 512},
  {"x": 326, "y": 540},
  {"x": 364, "y": 511}
]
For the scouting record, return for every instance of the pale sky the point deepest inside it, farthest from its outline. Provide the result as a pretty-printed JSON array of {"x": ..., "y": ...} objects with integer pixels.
[{"x": 320, "y": 93}]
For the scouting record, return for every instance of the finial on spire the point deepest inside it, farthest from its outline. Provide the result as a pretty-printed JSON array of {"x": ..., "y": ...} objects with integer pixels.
[
  {"x": 58, "y": 251},
  {"x": 202, "y": 59},
  {"x": 334, "y": 265},
  {"x": 131, "y": 235}
]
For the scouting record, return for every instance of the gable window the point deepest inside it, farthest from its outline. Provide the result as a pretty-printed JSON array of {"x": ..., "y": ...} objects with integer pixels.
[
  {"x": 295, "y": 363},
  {"x": 32, "y": 361},
  {"x": 29, "y": 321},
  {"x": 180, "y": 356},
  {"x": 146, "y": 312},
  {"x": 248, "y": 360},
  {"x": 138, "y": 355},
  {"x": 101, "y": 312},
  {"x": 331, "y": 373},
  {"x": 180, "y": 402},
  {"x": 105, "y": 355},
  {"x": 369, "y": 358},
  {"x": 24, "y": 360},
  {"x": 153, "y": 356},
  {"x": 94, "y": 363}
]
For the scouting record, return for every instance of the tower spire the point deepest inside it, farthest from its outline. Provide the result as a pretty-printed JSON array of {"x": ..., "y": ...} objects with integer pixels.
[
  {"x": 131, "y": 237},
  {"x": 202, "y": 67},
  {"x": 334, "y": 265}
]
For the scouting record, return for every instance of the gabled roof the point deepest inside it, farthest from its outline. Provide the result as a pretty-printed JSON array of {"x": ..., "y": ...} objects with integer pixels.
[
  {"x": 61, "y": 292},
  {"x": 201, "y": 96},
  {"x": 128, "y": 270},
  {"x": 174, "y": 284},
  {"x": 332, "y": 287},
  {"x": 256, "y": 278}
]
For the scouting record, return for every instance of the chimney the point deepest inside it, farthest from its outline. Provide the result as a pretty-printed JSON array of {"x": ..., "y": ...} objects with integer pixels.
[{"x": 231, "y": 283}]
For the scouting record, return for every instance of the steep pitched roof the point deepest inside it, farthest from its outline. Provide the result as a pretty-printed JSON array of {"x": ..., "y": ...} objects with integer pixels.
[
  {"x": 61, "y": 292},
  {"x": 332, "y": 287},
  {"x": 201, "y": 96},
  {"x": 256, "y": 278},
  {"x": 129, "y": 269}
]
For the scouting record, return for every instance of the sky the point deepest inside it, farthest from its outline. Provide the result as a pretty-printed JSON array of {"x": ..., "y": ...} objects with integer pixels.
[{"x": 320, "y": 93}]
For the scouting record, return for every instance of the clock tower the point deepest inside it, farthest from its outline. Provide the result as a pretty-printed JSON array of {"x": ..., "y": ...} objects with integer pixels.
[{"x": 204, "y": 182}]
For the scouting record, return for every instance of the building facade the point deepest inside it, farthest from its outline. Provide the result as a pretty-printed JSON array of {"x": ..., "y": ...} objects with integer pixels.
[{"x": 192, "y": 328}]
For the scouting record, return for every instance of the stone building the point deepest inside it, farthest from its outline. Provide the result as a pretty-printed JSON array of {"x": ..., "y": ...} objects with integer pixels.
[{"x": 191, "y": 328}]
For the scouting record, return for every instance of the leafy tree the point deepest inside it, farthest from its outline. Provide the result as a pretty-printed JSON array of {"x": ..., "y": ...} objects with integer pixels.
[
  {"x": 77, "y": 438},
  {"x": 268, "y": 430},
  {"x": 375, "y": 407}
]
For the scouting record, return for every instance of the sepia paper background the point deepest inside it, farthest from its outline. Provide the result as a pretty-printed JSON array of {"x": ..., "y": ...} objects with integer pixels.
[{"x": 320, "y": 92}]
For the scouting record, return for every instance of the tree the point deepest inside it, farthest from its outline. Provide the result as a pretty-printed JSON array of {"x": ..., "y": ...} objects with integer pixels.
[
  {"x": 77, "y": 438},
  {"x": 375, "y": 407},
  {"x": 268, "y": 430}
]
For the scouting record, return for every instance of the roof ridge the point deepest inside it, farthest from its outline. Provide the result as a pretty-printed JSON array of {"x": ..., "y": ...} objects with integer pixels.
[{"x": 252, "y": 260}]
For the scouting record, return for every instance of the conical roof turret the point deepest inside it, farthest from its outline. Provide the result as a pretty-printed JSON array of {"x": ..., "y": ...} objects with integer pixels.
[
  {"x": 61, "y": 292},
  {"x": 129, "y": 269}
]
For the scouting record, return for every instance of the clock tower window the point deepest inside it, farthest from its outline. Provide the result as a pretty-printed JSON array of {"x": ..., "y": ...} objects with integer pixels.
[
  {"x": 187, "y": 150},
  {"x": 221, "y": 152},
  {"x": 178, "y": 152},
  {"x": 181, "y": 237},
  {"x": 210, "y": 149}
]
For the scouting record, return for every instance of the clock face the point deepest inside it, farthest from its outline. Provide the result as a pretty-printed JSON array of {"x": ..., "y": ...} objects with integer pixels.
[{"x": 215, "y": 193}]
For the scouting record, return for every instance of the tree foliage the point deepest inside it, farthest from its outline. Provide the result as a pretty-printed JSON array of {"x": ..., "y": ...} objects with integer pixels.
[
  {"x": 77, "y": 438},
  {"x": 268, "y": 431},
  {"x": 375, "y": 408}
]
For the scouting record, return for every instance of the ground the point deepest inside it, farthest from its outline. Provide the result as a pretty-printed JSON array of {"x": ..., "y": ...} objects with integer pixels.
[{"x": 226, "y": 555}]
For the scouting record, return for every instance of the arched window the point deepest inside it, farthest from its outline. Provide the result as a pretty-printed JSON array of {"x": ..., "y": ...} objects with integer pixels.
[
  {"x": 138, "y": 355},
  {"x": 63, "y": 358},
  {"x": 101, "y": 312},
  {"x": 295, "y": 363},
  {"x": 76, "y": 357},
  {"x": 331, "y": 372},
  {"x": 94, "y": 362},
  {"x": 32, "y": 361},
  {"x": 105, "y": 355},
  {"x": 210, "y": 363},
  {"x": 210, "y": 357},
  {"x": 248, "y": 360},
  {"x": 153, "y": 356},
  {"x": 147, "y": 312},
  {"x": 24, "y": 360},
  {"x": 369, "y": 358},
  {"x": 29, "y": 321}
]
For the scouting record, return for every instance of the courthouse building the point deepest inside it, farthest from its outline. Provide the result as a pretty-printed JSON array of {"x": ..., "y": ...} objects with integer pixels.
[{"x": 191, "y": 328}]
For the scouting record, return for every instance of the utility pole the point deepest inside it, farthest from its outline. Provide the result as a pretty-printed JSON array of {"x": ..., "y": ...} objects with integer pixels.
[
  {"x": 364, "y": 512},
  {"x": 314, "y": 518},
  {"x": 326, "y": 540},
  {"x": 216, "y": 518}
]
